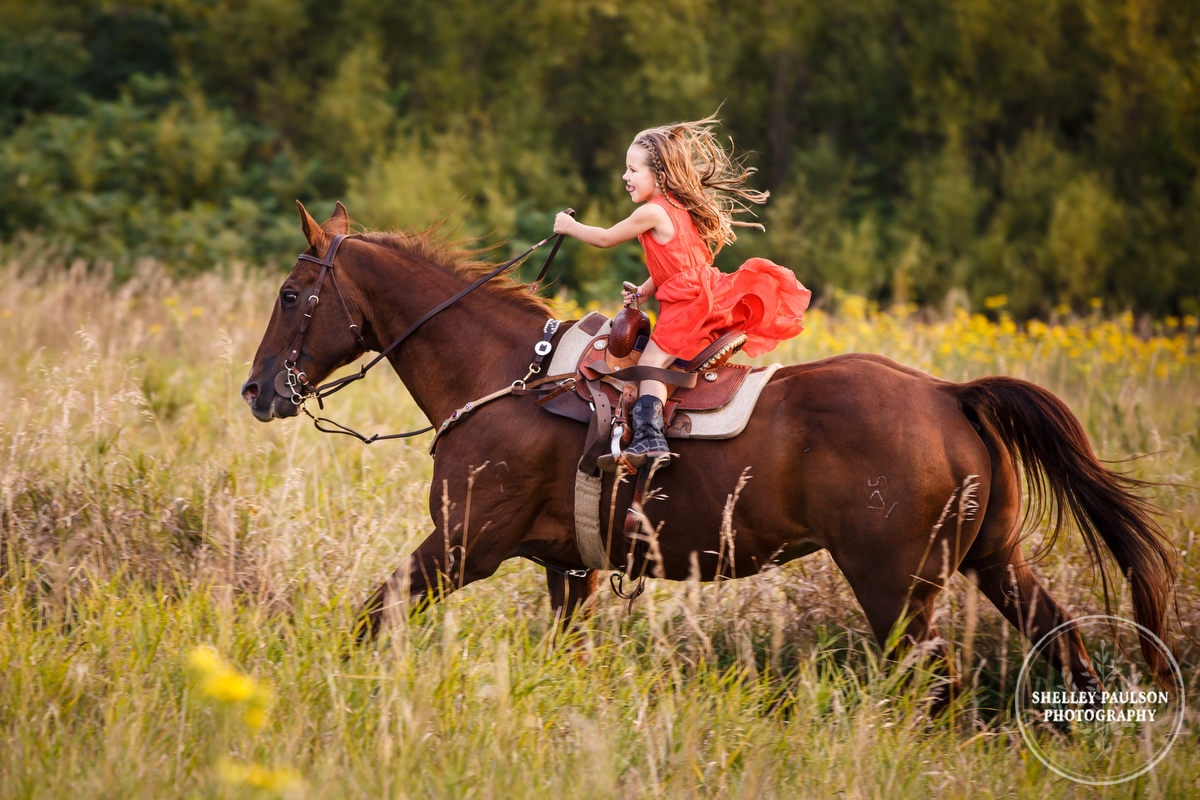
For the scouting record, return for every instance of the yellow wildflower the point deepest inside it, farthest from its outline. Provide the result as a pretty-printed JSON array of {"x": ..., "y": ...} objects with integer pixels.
[
  {"x": 205, "y": 660},
  {"x": 223, "y": 683},
  {"x": 996, "y": 301},
  {"x": 256, "y": 776},
  {"x": 228, "y": 687}
]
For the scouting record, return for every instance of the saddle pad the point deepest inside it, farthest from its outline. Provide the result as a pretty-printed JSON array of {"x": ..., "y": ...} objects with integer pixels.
[
  {"x": 575, "y": 340},
  {"x": 730, "y": 420},
  {"x": 714, "y": 388}
]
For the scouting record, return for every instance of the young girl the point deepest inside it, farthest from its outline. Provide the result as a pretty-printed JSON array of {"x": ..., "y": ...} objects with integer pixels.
[{"x": 689, "y": 189}]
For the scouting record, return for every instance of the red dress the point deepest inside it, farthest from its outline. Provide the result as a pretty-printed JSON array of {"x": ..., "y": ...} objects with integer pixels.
[{"x": 697, "y": 302}]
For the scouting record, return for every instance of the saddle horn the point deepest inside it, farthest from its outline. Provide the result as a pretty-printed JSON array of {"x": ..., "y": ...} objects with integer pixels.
[{"x": 629, "y": 323}]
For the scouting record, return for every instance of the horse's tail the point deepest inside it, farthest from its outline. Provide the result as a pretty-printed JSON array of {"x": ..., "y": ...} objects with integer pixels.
[{"x": 1039, "y": 430}]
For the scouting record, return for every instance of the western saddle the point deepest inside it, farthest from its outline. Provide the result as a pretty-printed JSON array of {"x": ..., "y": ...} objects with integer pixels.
[{"x": 605, "y": 385}]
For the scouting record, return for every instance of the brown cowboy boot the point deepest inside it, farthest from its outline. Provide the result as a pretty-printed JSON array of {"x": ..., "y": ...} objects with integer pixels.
[{"x": 649, "y": 439}]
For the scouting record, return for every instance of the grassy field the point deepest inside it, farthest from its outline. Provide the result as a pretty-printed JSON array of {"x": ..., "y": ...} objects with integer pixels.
[{"x": 177, "y": 580}]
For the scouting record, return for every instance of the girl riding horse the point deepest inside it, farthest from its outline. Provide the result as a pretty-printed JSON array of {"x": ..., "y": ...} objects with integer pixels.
[{"x": 690, "y": 188}]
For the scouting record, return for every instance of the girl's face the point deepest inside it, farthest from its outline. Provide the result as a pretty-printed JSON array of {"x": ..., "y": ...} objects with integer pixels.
[{"x": 638, "y": 177}]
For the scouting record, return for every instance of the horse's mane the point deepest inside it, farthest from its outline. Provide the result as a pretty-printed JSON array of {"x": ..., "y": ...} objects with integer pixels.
[{"x": 451, "y": 256}]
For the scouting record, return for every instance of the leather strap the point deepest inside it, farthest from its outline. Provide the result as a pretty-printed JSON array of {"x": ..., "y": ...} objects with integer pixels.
[
  {"x": 669, "y": 409},
  {"x": 635, "y": 515},
  {"x": 545, "y": 346},
  {"x": 345, "y": 308},
  {"x": 591, "y": 546},
  {"x": 598, "y": 428},
  {"x": 567, "y": 385},
  {"x": 458, "y": 414},
  {"x": 330, "y": 252},
  {"x": 641, "y": 373},
  {"x": 314, "y": 298},
  {"x": 462, "y": 412},
  {"x": 550, "y": 258}
]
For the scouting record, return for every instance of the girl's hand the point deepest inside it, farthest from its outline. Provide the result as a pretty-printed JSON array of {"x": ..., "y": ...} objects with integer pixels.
[
  {"x": 630, "y": 294},
  {"x": 643, "y": 292},
  {"x": 563, "y": 222}
]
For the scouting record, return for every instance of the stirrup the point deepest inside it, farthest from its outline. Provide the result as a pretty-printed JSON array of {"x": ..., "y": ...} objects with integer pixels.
[{"x": 610, "y": 461}]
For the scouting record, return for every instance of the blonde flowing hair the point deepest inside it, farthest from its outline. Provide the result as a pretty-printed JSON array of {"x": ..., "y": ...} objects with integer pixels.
[{"x": 695, "y": 173}]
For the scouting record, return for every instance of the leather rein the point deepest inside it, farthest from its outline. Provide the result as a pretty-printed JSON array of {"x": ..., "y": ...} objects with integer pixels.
[{"x": 296, "y": 381}]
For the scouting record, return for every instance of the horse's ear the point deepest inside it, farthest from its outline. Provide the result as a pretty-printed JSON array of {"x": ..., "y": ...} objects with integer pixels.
[
  {"x": 339, "y": 223},
  {"x": 312, "y": 231}
]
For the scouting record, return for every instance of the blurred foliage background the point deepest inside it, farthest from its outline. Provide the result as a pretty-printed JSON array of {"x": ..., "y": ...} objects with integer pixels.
[{"x": 922, "y": 151}]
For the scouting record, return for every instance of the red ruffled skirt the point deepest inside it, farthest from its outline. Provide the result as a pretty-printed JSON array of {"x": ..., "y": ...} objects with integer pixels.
[{"x": 696, "y": 306}]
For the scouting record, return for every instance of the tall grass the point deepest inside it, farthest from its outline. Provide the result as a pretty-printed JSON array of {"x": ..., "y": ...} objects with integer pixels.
[{"x": 146, "y": 514}]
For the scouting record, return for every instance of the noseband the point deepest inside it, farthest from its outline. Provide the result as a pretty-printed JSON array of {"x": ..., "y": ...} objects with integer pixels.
[{"x": 296, "y": 382}]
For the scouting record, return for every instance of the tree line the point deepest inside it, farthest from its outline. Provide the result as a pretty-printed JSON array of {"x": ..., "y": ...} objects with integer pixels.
[{"x": 1044, "y": 150}]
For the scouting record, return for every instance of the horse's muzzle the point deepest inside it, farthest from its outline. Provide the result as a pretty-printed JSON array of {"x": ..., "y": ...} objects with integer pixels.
[{"x": 265, "y": 402}]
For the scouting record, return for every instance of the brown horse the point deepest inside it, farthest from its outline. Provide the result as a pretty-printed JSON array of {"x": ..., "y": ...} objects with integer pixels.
[{"x": 902, "y": 477}]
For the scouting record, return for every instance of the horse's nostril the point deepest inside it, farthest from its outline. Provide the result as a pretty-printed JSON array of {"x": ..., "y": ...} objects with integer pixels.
[{"x": 249, "y": 391}]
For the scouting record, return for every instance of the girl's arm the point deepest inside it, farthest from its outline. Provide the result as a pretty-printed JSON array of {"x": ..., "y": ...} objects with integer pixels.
[{"x": 644, "y": 218}]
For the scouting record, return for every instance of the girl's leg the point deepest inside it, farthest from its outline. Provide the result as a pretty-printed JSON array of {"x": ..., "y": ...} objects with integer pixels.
[
  {"x": 654, "y": 356},
  {"x": 649, "y": 437}
]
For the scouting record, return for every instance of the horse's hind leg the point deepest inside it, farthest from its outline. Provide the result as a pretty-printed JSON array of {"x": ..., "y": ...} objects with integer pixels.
[
  {"x": 893, "y": 593},
  {"x": 996, "y": 565},
  {"x": 1006, "y": 580}
]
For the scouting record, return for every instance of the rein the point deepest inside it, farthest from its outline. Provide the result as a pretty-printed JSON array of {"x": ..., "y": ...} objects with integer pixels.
[{"x": 297, "y": 381}]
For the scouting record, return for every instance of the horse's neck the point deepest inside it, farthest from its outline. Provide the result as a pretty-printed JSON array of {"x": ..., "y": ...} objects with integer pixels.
[{"x": 478, "y": 345}]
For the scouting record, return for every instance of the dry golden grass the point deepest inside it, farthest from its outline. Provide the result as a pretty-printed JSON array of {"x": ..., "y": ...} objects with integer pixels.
[{"x": 146, "y": 514}]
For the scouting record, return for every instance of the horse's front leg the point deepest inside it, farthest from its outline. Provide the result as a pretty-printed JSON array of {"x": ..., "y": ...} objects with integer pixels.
[
  {"x": 439, "y": 566},
  {"x": 569, "y": 597}
]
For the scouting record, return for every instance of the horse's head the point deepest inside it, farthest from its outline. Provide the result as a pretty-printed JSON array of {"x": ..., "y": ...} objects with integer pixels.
[{"x": 327, "y": 342}]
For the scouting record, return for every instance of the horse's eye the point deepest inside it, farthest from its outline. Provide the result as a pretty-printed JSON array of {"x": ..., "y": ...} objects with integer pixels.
[{"x": 288, "y": 298}]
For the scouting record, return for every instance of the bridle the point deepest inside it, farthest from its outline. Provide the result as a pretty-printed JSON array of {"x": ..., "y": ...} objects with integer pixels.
[{"x": 296, "y": 382}]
